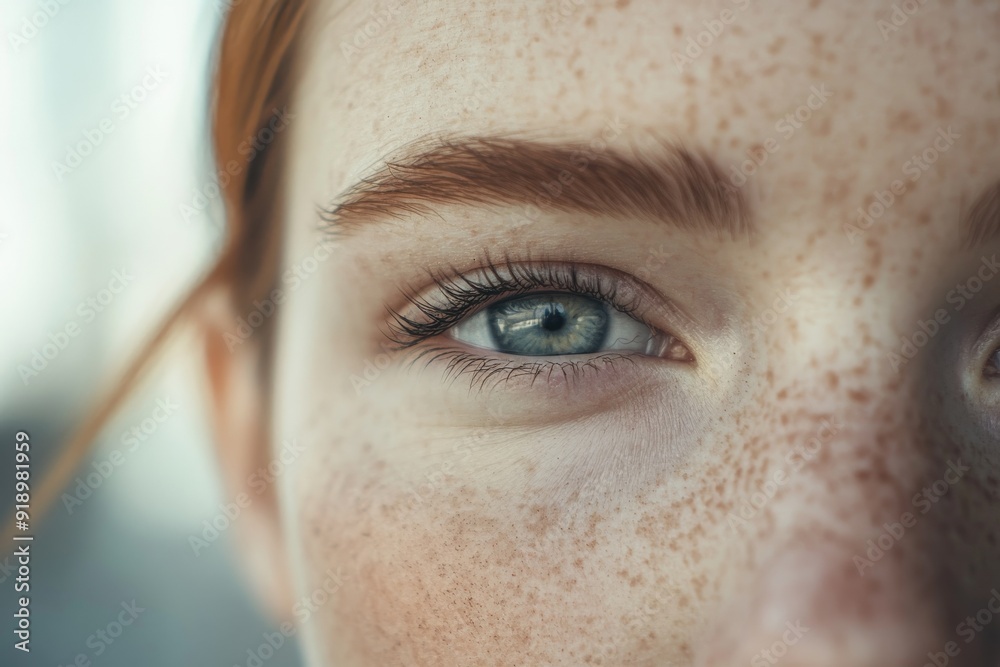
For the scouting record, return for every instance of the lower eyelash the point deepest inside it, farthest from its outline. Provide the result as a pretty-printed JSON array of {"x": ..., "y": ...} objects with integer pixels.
[{"x": 489, "y": 372}]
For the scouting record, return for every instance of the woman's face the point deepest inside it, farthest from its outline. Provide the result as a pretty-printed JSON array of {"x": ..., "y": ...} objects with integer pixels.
[{"x": 697, "y": 357}]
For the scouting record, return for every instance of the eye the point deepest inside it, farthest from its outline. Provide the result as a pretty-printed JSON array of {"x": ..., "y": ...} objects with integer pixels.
[
  {"x": 556, "y": 324},
  {"x": 525, "y": 319}
]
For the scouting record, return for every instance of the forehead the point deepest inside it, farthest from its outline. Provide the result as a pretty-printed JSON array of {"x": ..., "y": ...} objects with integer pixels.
[{"x": 836, "y": 96}]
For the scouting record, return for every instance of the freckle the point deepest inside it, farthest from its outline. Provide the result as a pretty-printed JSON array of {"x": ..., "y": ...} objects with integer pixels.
[
  {"x": 738, "y": 110},
  {"x": 723, "y": 124},
  {"x": 783, "y": 394},
  {"x": 817, "y": 39},
  {"x": 859, "y": 395},
  {"x": 589, "y": 22},
  {"x": 691, "y": 115},
  {"x": 678, "y": 30},
  {"x": 774, "y": 48},
  {"x": 943, "y": 108},
  {"x": 868, "y": 281},
  {"x": 770, "y": 70},
  {"x": 862, "y": 142},
  {"x": 905, "y": 120},
  {"x": 579, "y": 74},
  {"x": 857, "y": 301},
  {"x": 832, "y": 379},
  {"x": 823, "y": 129}
]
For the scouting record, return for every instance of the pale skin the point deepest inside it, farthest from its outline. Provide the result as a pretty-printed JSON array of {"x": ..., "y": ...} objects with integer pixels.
[{"x": 607, "y": 519}]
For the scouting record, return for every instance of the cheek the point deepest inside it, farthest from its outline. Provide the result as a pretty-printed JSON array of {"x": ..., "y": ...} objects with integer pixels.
[{"x": 446, "y": 566}]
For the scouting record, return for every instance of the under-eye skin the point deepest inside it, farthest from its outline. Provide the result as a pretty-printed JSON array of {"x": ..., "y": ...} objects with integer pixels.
[{"x": 531, "y": 318}]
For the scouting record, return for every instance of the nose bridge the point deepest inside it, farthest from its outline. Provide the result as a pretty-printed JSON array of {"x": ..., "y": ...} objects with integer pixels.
[
  {"x": 854, "y": 502},
  {"x": 846, "y": 422}
]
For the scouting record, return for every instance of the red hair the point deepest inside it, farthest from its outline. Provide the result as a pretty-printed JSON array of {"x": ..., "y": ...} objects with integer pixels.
[{"x": 255, "y": 73}]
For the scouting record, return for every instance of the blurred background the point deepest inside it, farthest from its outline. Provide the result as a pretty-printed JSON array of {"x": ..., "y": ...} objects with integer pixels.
[{"x": 108, "y": 217}]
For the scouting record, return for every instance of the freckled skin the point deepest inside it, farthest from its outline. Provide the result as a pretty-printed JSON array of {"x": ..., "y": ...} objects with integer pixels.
[{"x": 608, "y": 538}]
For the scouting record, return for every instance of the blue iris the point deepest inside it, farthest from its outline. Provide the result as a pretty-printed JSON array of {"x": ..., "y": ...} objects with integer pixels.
[{"x": 548, "y": 324}]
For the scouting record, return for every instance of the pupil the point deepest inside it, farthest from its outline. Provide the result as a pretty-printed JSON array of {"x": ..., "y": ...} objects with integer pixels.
[{"x": 554, "y": 317}]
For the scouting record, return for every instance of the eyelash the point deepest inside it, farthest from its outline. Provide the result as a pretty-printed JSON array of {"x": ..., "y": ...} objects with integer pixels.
[
  {"x": 461, "y": 295},
  {"x": 464, "y": 294}
]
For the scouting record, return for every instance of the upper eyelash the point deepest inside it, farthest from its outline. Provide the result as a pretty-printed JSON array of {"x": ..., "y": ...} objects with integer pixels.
[{"x": 463, "y": 293}]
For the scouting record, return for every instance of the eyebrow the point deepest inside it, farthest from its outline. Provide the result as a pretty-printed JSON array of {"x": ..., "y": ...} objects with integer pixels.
[
  {"x": 669, "y": 183},
  {"x": 982, "y": 222}
]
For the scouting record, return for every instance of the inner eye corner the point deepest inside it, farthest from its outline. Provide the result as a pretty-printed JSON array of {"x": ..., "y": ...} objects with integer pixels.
[{"x": 991, "y": 371}]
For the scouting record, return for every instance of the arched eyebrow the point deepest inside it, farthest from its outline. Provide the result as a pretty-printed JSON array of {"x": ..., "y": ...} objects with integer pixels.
[
  {"x": 668, "y": 184},
  {"x": 982, "y": 222}
]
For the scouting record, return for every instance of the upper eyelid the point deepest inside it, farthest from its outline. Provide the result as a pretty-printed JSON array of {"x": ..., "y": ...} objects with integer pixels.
[{"x": 629, "y": 296}]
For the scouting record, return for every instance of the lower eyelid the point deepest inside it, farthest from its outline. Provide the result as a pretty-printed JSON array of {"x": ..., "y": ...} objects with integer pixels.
[{"x": 499, "y": 370}]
